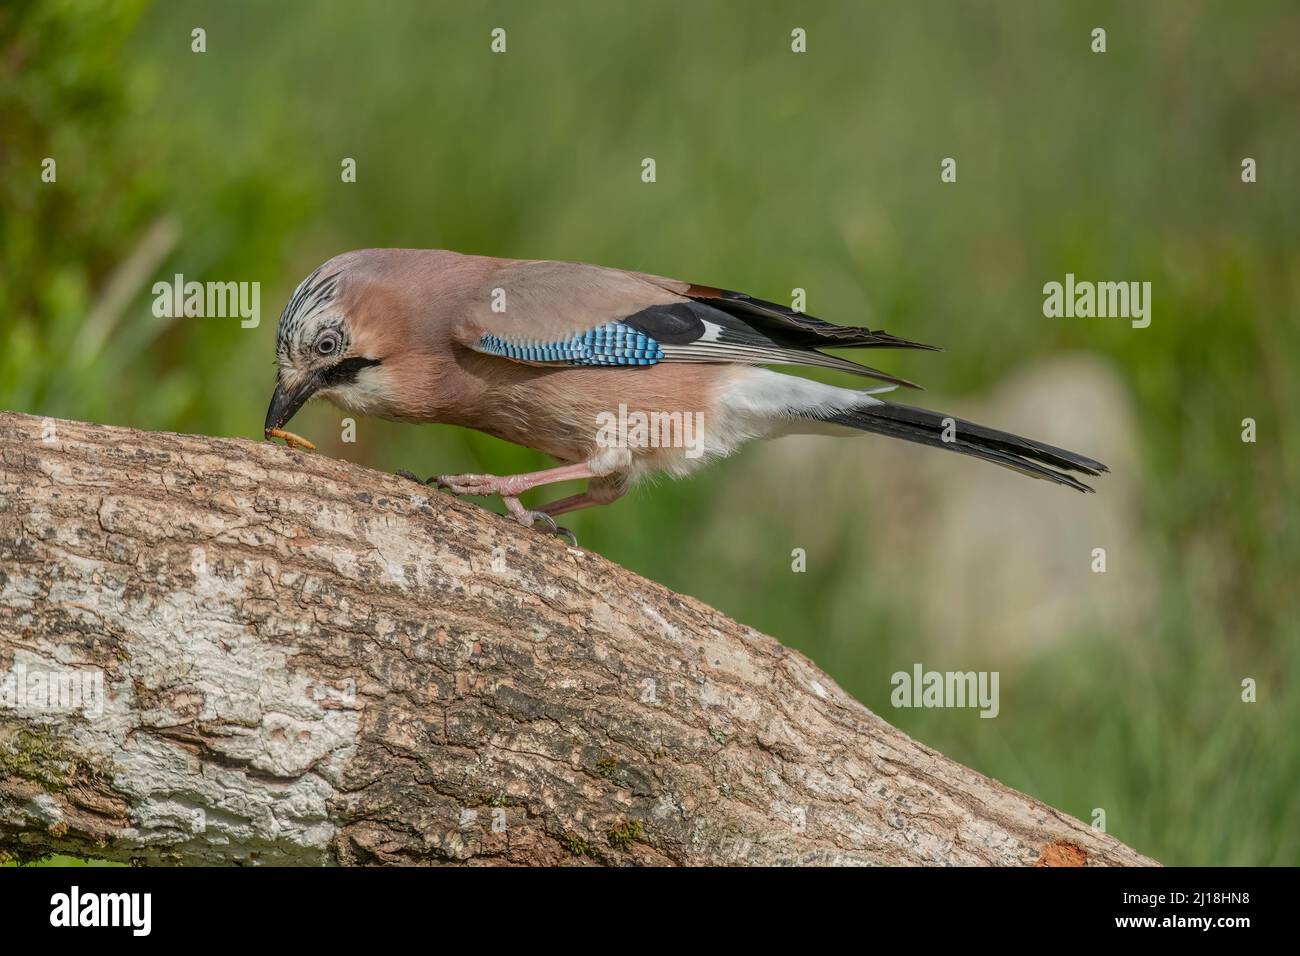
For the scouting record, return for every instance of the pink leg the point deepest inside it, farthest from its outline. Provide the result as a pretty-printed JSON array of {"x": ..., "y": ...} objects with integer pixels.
[
  {"x": 571, "y": 503},
  {"x": 597, "y": 493},
  {"x": 512, "y": 486}
]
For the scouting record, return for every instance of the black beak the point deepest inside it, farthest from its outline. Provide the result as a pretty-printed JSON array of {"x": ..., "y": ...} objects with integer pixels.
[{"x": 285, "y": 402}]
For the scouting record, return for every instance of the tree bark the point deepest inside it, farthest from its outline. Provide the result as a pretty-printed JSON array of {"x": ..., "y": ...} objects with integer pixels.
[{"x": 306, "y": 661}]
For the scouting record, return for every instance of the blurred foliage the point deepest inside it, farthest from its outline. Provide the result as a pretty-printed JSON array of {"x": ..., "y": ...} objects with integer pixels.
[{"x": 774, "y": 171}]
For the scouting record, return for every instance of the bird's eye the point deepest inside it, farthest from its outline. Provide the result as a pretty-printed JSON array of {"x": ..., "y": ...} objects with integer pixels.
[{"x": 328, "y": 343}]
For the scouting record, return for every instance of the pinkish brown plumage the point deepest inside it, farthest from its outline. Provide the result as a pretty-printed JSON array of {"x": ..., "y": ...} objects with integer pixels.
[{"x": 615, "y": 374}]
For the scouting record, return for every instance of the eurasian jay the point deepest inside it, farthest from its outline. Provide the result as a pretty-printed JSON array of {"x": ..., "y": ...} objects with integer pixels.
[{"x": 547, "y": 354}]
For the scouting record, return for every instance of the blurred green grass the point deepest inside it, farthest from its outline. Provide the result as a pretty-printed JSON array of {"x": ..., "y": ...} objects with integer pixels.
[{"x": 774, "y": 171}]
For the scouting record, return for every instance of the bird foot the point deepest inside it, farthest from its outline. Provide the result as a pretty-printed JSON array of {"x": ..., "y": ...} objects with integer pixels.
[
  {"x": 478, "y": 485},
  {"x": 474, "y": 484},
  {"x": 537, "y": 520},
  {"x": 508, "y": 488}
]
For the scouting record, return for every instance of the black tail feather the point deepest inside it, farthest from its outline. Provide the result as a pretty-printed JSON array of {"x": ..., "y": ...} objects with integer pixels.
[{"x": 926, "y": 427}]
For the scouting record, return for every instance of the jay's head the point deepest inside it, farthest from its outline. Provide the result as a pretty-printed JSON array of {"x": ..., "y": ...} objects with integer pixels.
[{"x": 325, "y": 348}]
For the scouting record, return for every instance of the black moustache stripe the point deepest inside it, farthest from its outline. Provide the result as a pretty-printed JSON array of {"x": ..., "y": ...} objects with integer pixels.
[{"x": 345, "y": 372}]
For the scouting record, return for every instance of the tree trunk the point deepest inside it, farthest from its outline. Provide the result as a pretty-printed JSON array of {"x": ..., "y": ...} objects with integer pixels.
[{"x": 305, "y": 661}]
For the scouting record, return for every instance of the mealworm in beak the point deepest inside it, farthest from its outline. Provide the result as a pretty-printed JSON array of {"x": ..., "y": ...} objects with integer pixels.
[{"x": 290, "y": 439}]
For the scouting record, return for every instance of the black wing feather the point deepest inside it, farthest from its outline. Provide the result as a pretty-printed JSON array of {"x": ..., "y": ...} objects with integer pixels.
[
  {"x": 797, "y": 328},
  {"x": 684, "y": 329}
]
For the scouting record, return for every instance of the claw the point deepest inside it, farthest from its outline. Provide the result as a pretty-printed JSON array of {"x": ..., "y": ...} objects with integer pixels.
[
  {"x": 410, "y": 476},
  {"x": 509, "y": 489},
  {"x": 529, "y": 519}
]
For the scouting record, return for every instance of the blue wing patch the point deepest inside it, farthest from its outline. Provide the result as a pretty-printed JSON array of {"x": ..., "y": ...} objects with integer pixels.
[{"x": 611, "y": 344}]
